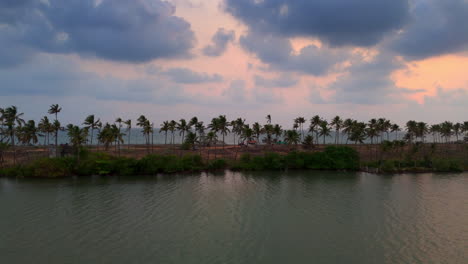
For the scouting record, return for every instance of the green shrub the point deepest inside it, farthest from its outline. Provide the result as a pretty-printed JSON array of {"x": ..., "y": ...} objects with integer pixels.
[
  {"x": 51, "y": 167},
  {"x": 217, "y": 164}
]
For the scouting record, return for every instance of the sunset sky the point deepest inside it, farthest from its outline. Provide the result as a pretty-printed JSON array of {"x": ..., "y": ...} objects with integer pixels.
[{"x": 399, "y": 59}]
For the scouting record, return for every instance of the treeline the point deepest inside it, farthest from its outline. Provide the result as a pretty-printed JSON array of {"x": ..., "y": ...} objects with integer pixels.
[{"x": 195, "y": 133}]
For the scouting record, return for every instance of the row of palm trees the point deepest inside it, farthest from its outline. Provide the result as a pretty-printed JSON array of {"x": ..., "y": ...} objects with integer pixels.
[{"x": 14, "y": 128}]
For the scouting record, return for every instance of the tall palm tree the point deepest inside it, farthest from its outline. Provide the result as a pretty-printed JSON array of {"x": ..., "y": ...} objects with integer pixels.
[
  {"x": 300, "y": 121},
  {"x": 257, "y": 130},
  {"x": 347, "y": 128},
  {"x": 54, "y": 110},
  {"x": 164, "y": 128},
  {"x": 223, "y": 126},
  {"x": 128, "y": 123},
  {"x": 268, "y": 118},
  {"x": 45, "y": 127},
  {"x": 337, "y": 122},
  {"x": 143, "y": 122},
  {"x": 210, "y": 138},
  {"x": 172, "y": 128},
  {"x": 314, "y": 124},
  {"x": 91, "y": 123},
  {"x": 183, "y": 127},
  {"x": 12, "y": 119},
  {"x": 372, "y": 130},
  {"x": 457, "y": 128},
  {"x": 395, "y": 129},
  {"x": 119, "y": 122},
  {"x": 277, "y": 131},
  {"x": 446, "y": 130},
  {"x": 411, "y": 130},
  {"x": 324, "y": 130}
]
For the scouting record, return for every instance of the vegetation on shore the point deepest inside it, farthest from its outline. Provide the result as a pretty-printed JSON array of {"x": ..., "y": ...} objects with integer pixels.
[{"x": 332, "y": 158}]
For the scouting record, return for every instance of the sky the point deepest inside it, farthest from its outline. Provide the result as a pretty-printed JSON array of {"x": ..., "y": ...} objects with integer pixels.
[{"x": 399, "y": 59}]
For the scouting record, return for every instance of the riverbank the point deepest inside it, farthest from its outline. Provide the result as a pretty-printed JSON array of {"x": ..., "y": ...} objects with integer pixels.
[{"x": 329, "y": 158}]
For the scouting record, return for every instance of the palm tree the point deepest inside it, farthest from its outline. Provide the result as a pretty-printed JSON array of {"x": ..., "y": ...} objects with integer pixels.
[
  {"x": 457, "y": 128},
  {"x": 257, "y": 130},
  {"x": 183, "y": 127},
  {"x": 28, "y": 133},
  {"x": 45, "y": 127},
  {"x": 12, "y": 119},
  {"x": 119, "y": 121},
  {"x": 144, "y": 123},
  {"x": 210, "y": 138},
  {"x": 129, "y": 130},
  {"x": 421, "y": 130},
  {"x": 337, "y": 122},
  {"x": 446, "y": 129},
  {"x": 200, "y": 129},
  {"x": 269, "y": 130},
  {"x": 223, "y": 126},
  {"x": 324, "y": 130},
  {"x": 372, "y": 129},
  {"x": 164, "y": 128},
  {"x": 291, "y": 137},
  {"x": 191, "y": 140},
  {"x": 237, "y": 126},
  {"x": 300, "y": 121},
  {"x": 54, "y": 110},
  {"x": 268, "y": 118},
  {"x": 77, "y": 137},
  {"x": 172, "y": 128},
  {"x": 91, "y": 124},
  {"x": 411, "y": 130},
  {"x": 277, "y": 131},
  {"x": 395, "y": 129},
  {"x": 358, "y": 132},
  {"x": 347, "y": 128},
  {"x": 314, "y": 124}
]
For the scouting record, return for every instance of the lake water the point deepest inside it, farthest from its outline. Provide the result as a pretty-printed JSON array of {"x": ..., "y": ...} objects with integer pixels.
[{"x": 289, "y": 217}]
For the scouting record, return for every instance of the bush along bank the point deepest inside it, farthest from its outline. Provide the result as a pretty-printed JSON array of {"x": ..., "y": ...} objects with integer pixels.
[{"x": 332, "y": 158}]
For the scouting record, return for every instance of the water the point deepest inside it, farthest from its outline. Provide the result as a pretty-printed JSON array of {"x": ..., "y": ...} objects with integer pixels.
[{"x": 304, "y": 217}]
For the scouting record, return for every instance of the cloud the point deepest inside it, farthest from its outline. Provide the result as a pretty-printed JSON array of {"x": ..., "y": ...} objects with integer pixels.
[
  {"x": 54, "y": 76},
  {"x": 277, "y": 52},
  {"x": 284, "y": 80},
  {"x": 187, "y": 76},
  {"x": 236, "y": 91},
  {"x": 369, "y": 82},
  {"x": 119, "y": 30},
  {"x": 336, "y": 22},
  {"x": 220, "y": 41},
  {"x": 436, "y": 28},
  {"x": 443, "y": 97}
]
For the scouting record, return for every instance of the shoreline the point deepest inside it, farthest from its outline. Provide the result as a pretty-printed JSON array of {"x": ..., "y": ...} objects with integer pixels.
[{"x": 329, "y": 158}]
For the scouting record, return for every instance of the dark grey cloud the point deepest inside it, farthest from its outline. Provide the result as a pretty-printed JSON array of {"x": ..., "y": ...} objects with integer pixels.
[
  {"x": 436, "y": 28},
  {"x": 220, "y": 40},
  {"x": 284, "y": 80},
  {"x": 337, "y": 22},
  {"x": 369, "y": 82},
  {"x": 187, "y": 76},
  {"x": 120, "y": 30},
  {"x": 54, "y": 76},
  {"x": 278, "y": 53}
]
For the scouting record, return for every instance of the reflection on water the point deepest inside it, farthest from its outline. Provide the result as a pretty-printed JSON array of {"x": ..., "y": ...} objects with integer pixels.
[{"x": 267, "y": 217}]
